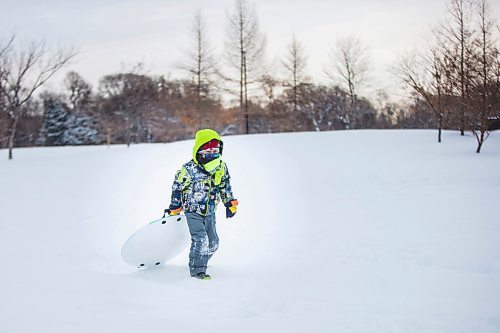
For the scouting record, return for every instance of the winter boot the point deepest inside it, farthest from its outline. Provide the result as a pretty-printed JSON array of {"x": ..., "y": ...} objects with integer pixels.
[{"x": 203, "y": 276}]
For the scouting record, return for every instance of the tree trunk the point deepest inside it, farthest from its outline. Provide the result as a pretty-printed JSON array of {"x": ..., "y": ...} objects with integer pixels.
[
  {"x": 11, "y": 146},
  {"x": 316, "y": 125},
  {"x": 440, "y": 129},
  {"x": 129, "y": 134},
  {"x": 108, "y": 136},
  {"x": 480, "y": 140},
  {"x": 462, "y": 123},
  {"x": 12, "y": 135},
  {"x": 245, "y": 85}
]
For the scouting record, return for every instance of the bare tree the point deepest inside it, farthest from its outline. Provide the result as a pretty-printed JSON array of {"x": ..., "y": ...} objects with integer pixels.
[
  {"x": 25, "y": 71},
  {"x": 244, "y": 48},
  {"x": 485, "y": 85},
  {"x": 429, "y": 76},
  {"x": 80, "y": 91},
  {"x": 130, "y": 98},
  {"x": 349, "y": 68},
  {"x": 4, "y": 48},
  {"x": 200, "y": 60},
  {"x": 295, "y": 63},
  {"x": 456, "y": 38},
  {"x": 269, "y": 85},
  {"x": 323, "y": 106}
]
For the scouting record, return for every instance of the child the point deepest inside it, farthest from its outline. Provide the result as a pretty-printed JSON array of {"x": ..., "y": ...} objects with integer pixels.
[{"x": 198, "y": 187}]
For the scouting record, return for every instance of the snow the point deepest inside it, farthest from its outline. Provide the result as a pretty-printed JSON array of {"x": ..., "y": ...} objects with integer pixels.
[{"x": 352, "y": 231}]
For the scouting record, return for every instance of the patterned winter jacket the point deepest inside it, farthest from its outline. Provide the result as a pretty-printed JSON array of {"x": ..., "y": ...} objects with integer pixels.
[{"x": 199, "y": 191}]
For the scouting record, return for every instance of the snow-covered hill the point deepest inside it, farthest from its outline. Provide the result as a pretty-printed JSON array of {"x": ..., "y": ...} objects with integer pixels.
[{"x": 355, "y": 231}]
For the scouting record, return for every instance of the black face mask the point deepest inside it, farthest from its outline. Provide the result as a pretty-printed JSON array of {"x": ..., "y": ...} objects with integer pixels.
[{"x": 204, "y": 159}]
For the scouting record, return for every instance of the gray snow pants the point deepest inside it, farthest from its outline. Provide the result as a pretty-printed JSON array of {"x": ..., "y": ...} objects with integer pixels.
[{"x": 204, "y": 241}]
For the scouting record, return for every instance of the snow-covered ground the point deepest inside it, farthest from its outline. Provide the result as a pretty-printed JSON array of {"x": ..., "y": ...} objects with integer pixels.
[{"x": 354, "y": 231}]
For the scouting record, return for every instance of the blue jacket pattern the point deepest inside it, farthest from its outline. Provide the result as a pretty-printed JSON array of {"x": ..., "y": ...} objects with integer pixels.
[{"x": 199, "y": 191}]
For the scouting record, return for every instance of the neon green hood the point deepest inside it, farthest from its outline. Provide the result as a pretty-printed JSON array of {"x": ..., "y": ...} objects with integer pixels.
[{"x": 202, "y": 137}]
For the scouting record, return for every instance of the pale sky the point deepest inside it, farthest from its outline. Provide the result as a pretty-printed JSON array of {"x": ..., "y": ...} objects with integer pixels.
[{"x": 112, "y": 35}]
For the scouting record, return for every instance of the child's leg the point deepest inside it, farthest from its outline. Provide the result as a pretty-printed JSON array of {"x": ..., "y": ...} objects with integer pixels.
[
  {"x": 213, "y": 239},
  {"x": 199, "y": 253}
]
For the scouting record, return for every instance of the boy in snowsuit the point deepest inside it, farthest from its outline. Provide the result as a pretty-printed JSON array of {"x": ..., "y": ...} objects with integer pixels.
[{"x": 198, "y": 187}]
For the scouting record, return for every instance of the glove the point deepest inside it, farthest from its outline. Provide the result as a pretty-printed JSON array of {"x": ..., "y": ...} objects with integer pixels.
[
  {"x": 173, "y": 212},
  {"x": 231, "y": 208}
]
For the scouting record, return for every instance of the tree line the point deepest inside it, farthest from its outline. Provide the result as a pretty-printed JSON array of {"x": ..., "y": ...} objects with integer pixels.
[
  {"x": 454, "y": 84},
  {"x": 458, "y": 75}
]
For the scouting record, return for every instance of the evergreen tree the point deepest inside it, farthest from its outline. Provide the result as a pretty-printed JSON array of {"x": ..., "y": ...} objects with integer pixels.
[
  {"x": 81, "y": 129},
  {"x": 54, "y": 125}
]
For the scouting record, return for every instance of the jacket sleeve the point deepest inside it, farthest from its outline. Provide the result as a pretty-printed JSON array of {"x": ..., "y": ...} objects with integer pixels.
[
  {"x": 226, "y": 193},
  {"x": 180, "y": 182}
]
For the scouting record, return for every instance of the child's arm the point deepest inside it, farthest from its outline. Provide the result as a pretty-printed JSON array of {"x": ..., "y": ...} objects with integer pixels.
[
  {"x": 226, "y": 194},
  {"x": 180, "y": 182}
]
